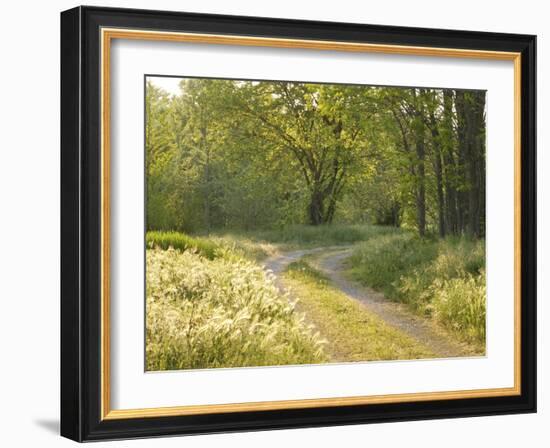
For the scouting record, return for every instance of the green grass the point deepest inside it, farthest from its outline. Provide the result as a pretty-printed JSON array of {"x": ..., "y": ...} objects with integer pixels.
[
  {"x": 353, "y": 333},
  {"x": 305, "y": 236},
  {"x": 215, "y": 246},
  {"x": 440, "y": 279},
  {"x": 444, "y": 279},
  {"x": 182, "y": 242},
  {"x": 257, "y": 245}
]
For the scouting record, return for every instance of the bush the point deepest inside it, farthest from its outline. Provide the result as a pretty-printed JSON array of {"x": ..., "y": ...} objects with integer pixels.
[
  {"x": 181, "y": 242},
  {"x": 211, "y": 247},
  {"x": 224, "y": 312},
  {"x": 381, "y": 262},
  {"x": 459, "y": 303},
  {"x": 444, "y": 279}
]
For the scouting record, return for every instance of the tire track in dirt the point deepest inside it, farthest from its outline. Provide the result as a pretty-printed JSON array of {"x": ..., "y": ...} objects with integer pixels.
[{"x": 331, "y": 262}]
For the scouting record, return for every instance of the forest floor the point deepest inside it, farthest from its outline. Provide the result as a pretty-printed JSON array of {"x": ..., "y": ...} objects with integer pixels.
[{"x": 358, "y": 323}]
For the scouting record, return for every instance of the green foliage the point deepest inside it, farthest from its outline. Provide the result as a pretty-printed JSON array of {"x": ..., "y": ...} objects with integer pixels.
[
  {"x": 182, "y": 242},
  {"x": 212, "y": 247},
  {"x": 322, "y": 235},
  {"x": 460, "y": 303},
  {"x": 162, "y": 212},
  {"x": 380, "y": 262},
  {"x": 444, "y": 279},
  {"x": 224, "y": 312},
  {"x": 248, "y": 155}
]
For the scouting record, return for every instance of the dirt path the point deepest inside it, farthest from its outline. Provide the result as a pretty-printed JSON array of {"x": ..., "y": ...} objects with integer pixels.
[
  {"x": 330, "y": 261},
  {"x": 278, "y": 263}
]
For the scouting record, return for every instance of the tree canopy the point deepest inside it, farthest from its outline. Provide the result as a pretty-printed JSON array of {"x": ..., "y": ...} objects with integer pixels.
[{"x": 231, "y": 154}]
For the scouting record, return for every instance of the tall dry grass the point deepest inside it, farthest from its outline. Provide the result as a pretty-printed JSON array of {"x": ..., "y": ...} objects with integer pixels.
[
  {"x": 224, "y": 312},
  {"x": 444, "y": 279}
]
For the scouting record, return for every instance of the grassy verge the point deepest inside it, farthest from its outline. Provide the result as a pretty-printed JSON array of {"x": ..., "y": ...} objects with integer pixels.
[
  {"x": 440, "y": 279},
  {"x": 304, "y": 236},
  {"x": 443, "y": 279},
  {"x": 353, "y": 333},
  {"x": 182, "y": 242},
  {"x": 224, "y": 312},
  {"x": 211, "y": 247},
  {"x": 257, "y": 245}
]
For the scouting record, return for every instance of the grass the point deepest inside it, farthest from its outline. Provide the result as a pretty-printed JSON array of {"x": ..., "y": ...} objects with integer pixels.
[
  {"x": 182, "y": 242},
  {"x": 305, "y": 236},
  {"x": 353, "y": 333},
  {"x": 210, "y": 247},
  {"x": 224, "y": 312},
  {"x": 259, "y": 244},
  {"x": 245, "y": 247},
  {"x": 442, "y": 279}
]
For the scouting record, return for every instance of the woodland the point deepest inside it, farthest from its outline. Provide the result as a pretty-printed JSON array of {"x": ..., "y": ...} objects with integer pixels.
[
  {"x": 249, "y": 155},
  {"x": 300, "y": 223}
]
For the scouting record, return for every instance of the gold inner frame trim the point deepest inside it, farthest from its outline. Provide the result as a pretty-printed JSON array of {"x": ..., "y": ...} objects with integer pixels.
[{"x": 107, "y": 35}]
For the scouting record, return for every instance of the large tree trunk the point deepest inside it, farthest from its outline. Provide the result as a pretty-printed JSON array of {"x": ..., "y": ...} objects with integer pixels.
[
  {"x": 471, "y": 126},
  {"x": 438, "y": 168},
  {"x": 331, "y": 209},
  {"x": 325, "y": 190},
  {"x": 482, "y": 177},
  {"x": 440, "y": 198},
  {"x": 316, "y": 208},
  {"x": 396, "y": 214},
  {"x": 322, "y": 206},
  {"x": 420, "y": 171},
  {"x": 462, "y": 168},
  {"x": 449, "y": 164}
]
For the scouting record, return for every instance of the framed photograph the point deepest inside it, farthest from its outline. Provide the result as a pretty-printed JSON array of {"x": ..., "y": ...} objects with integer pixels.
[{"x": 272, "y": 223}]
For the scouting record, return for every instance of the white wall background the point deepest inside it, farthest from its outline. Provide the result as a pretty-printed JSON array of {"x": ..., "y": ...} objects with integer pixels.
[{"x": 29, "y": 220}]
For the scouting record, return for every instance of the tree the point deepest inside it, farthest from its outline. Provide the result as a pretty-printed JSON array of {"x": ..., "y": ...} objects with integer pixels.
[
  {"x": 159, "y": 150},
  {"x": 447, "y": 147},
  {"x": 318, "y": 126},
  {"x": 251, "y": 155},
  {"x": 470, "y": 107}
]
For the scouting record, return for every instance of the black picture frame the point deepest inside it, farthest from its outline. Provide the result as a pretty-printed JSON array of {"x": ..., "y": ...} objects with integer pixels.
[{"x": 81, "y": 224}]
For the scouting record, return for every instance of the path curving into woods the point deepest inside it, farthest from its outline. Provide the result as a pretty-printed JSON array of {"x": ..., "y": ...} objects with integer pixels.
[{"x": 331, "y": 262}]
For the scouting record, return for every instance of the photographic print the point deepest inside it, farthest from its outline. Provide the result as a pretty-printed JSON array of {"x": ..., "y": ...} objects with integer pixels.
[
  {"x": 297, "y": 223},
  {"x": 274, "y": 224}
]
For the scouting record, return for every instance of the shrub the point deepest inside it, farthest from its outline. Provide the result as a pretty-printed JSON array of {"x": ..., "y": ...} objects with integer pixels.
[
  {"x": 181, "y": 242},
  {"x": 440, "y": 278},
  {"x": 380, "y": 262},
  {"x": 224, "y": 312},
  {"x": 459, "y": 303},
  {"x": 211, "y": 247}
]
